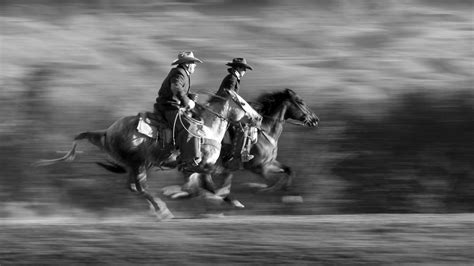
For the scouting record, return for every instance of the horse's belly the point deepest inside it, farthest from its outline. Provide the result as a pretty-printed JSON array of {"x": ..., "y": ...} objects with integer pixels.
[{"x": 210, "y": 154}]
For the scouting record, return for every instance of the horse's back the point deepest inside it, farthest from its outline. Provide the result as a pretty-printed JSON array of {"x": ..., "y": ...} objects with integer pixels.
[
  {"x": 127, "y": 145},
  {"x": 127, "y": 123},
  {"x": 122, "y": 136}
]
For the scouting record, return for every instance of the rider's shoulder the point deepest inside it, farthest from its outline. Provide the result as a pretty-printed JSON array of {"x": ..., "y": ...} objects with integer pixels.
[{"x": 178, "y": 71}]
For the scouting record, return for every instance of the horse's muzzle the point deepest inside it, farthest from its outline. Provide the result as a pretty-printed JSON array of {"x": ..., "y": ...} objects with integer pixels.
[{"x": 311, "y": 121}]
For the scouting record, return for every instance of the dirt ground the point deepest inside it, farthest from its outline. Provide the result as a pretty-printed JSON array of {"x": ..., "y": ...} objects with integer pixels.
[{"x": 249, "y": 240}]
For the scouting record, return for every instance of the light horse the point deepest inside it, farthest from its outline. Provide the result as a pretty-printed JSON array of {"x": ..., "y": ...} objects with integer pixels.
[
  {"x": 275, "y": 108},
  {"x": 136, "y": 153}
]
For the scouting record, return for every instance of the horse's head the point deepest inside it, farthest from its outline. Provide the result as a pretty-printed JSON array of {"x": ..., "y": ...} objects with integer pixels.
[{"x": 298, "y": 110}]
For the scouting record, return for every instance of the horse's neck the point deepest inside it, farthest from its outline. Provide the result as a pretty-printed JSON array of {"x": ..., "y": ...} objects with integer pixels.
[
  {"x": 273, "y": 123},
  {"x": 215, "y": 124}
]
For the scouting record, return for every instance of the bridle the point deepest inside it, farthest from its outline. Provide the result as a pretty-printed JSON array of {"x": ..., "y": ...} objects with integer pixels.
[{"x": 304, "y": 110}]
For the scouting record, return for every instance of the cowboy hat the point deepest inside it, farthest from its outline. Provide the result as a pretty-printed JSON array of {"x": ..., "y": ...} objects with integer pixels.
[
  {"x": 239, "y": 62},
  {"x": 185, "y": 58}
]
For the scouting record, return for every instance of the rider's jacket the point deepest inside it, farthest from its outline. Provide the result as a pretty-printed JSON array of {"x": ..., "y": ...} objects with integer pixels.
[
  {"x": 230, "y": 82},
  {"x": 174, "y": 90}
]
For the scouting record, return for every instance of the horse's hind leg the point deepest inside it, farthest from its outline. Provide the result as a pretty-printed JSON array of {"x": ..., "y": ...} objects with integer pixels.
[{"x": 139, "y": 176}]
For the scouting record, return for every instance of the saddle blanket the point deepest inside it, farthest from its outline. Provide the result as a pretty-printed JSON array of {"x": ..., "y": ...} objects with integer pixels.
[{"x": 147, "y": 130}]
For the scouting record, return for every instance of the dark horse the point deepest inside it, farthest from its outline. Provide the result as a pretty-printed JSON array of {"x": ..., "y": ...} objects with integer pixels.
[
  {"x": 276, "y": 108},
  {"x": 136, "y": 153}
]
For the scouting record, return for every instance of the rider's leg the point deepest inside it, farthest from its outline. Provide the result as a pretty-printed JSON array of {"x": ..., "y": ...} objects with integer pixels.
[
  {"x": 191, "y": 150},
  {"x": 246, "y": 156}
]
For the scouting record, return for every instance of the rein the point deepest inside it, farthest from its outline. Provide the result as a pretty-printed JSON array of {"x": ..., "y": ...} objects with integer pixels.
[
  {"x": 239, "y": 104},
  {"x": 212, "y": 112},
  {"x": 268, "y": 137},
  {"x": 284, "y": 120},
  {"x": 182, "y": 123},
  {"x": 274, "y": 119},
  {"x": 179, "y": 115}
]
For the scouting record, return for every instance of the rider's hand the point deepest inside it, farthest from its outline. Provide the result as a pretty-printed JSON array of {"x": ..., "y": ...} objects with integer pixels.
[
  {"x": 191, "y": 105},
  {"x": 193, "y": 96}
]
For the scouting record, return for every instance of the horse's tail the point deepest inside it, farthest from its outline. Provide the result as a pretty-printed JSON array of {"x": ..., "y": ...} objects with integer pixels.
[
  {"x": 70, "y": 156},
  {"x": 95, "y": 137}
]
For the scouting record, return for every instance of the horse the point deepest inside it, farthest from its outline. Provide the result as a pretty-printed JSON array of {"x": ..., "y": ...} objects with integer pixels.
[
  {"x": 276, "y": 108},
  {"x": 136, "y": 153}
]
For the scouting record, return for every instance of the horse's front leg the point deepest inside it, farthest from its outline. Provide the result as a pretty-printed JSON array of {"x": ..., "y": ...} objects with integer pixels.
[
  {"x": 285, "y": 181},
  {"x": 263, "y": 171},
  {"x": 224, "y": 191},
  {"x": 210, "y": 190},
  {"x": 138, "y": 177}
]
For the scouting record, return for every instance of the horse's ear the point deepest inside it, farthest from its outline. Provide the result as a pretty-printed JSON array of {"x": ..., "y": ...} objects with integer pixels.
[{"x": 289, "y": 91}]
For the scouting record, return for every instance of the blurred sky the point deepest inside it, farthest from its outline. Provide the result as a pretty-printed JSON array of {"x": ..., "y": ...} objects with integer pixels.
[{"x": 115, "y": 51}]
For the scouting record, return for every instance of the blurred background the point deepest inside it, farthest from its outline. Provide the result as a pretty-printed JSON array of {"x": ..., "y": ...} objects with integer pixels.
[{"x": 391, "y": 81}]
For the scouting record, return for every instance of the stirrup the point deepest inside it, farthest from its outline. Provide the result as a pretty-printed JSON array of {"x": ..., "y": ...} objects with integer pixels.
[
  {"x": 192, "y": 166},
  {"x": 247, "y": 157}
]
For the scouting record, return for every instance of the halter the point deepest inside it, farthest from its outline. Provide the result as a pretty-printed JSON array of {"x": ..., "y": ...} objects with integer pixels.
[
  {"x": 303, "y": 109},
  {"x": 271, "y": 139}
]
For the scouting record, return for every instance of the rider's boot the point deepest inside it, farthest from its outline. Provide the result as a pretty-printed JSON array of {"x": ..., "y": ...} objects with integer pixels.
[
  {"x": 246, "y": 156},
  {"x": 192, "y": 157}
]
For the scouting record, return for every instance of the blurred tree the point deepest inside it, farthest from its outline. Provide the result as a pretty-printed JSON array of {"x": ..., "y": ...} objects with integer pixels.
[{"x": 416, "y": 158}]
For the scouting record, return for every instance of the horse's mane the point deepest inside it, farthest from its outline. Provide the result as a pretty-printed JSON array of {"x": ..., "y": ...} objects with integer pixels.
[
  {"x": 215, "y": 99},
  {"x": 266, "y": 103}
]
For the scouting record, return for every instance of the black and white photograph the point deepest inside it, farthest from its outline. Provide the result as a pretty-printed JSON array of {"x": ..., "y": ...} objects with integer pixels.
[{"x": 236, "y": 132}]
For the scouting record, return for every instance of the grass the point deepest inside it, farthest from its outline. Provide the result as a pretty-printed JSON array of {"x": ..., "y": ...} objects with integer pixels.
[{"x": 267, "y": 240}]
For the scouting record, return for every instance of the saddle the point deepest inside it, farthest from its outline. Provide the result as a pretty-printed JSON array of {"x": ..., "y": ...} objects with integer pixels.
[{"x": 154, "y": 126}]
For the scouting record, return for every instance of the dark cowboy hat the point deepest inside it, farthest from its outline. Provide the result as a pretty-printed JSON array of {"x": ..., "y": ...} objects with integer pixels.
[
  {"x": 186, "y": 58},
  {"x": 239, "y": 62}
]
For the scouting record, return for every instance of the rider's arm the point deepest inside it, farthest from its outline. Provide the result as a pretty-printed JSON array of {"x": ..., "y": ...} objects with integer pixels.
[
  {"x": 178, "y": 84},
  {"x": 230, "y": 83}
]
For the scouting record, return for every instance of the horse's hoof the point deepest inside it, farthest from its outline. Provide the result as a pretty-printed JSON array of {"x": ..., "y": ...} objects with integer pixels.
[
  {"x": 133, "y": 187},
  {"x": 256, "y": 185},
  {"x": 212, "y": 198},
  {"x": 213, "y": 215},
  {"x": 170, "y": 190},
  {"x": 237, "y": 204},
  {"x": 181, "y": 194},
  {"x": 269, "y": 189},
  {"x": 164, "y": 215},
  {"x": 223, "y": 191},
  {"x": 292, "y": 199}
]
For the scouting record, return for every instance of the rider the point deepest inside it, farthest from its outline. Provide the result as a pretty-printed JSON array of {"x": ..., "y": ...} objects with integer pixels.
[
  {"x": 173, "y": 95},
  {"x": 240, "y": 135}
]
